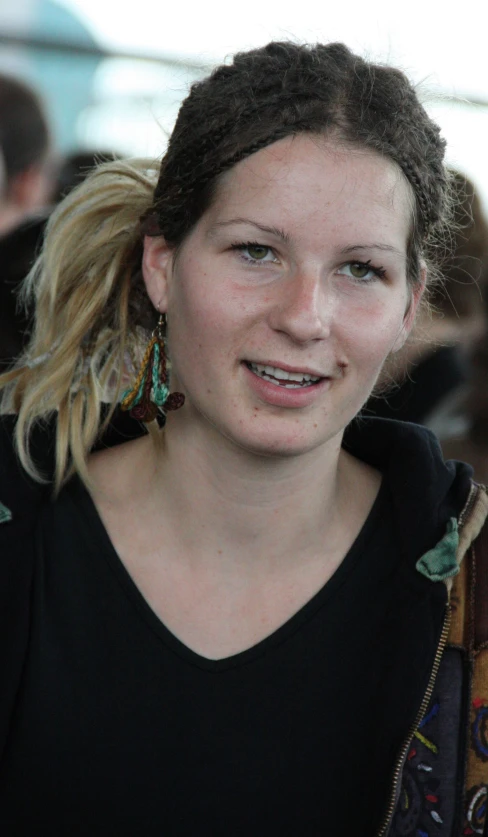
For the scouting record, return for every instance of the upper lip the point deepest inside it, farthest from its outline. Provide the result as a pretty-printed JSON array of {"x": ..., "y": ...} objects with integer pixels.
[{"x": 304, "y": 370}]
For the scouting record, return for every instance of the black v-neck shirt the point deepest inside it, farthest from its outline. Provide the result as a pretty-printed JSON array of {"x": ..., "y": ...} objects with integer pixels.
[{"x": 120, "y": 729}]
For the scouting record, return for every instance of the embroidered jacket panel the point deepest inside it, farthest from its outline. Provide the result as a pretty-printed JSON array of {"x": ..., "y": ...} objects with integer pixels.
[{"x": 443, "y": 786}]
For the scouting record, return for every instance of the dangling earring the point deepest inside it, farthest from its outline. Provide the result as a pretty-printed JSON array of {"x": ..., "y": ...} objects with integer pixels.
[{"x": 150, "y": 392}]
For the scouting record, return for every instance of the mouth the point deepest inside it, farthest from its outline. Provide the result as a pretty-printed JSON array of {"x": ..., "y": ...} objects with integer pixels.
[{"x": 282, "y": 378}]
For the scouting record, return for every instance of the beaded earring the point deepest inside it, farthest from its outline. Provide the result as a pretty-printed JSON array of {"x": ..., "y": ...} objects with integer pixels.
[{"x": 150, "y": 392}]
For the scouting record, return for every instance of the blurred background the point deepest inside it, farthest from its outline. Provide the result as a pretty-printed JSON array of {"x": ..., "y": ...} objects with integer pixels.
[{"x": 112, "y": 74}]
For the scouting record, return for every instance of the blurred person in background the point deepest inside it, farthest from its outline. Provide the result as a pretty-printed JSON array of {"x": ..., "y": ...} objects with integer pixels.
[
  {"x": 75, "y": 167},
  {"x": 2, "y": 173},
  {"x": 18, "y": 252},
  {"x": 431, "y": 372},
  {"x": 20, "y": 246},
  {"x": 470, "y": 441},
  {"x": 26, "y": 187},
  {"x": 25, "y": 143}
]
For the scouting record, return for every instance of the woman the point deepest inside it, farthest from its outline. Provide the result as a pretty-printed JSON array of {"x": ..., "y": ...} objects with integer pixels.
[{"x": 232, "y": 626}]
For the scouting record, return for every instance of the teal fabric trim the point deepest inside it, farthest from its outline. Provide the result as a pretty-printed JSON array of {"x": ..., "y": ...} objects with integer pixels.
[
  {"x": 5, "y": 514},
  {"x": 440, "y": 562}
]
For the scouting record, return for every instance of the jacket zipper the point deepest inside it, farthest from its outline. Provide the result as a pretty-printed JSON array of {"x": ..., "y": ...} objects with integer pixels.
[
  {"x": 473, "y": 494},
  {"x": 421, "y": 712}
]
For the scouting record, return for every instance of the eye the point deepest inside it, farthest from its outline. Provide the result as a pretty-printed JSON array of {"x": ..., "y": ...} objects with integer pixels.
[
  {"x": 258, "y": 252},
  {"x": 362, "y": 271},
  {"x": 253, "y": 252}
]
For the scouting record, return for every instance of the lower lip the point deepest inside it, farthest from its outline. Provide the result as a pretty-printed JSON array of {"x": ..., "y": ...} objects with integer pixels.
[{"x": 280, "y": 396}]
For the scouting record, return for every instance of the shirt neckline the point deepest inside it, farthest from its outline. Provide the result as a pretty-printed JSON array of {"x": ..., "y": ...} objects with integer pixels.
[{"x": 97, "y": 534}]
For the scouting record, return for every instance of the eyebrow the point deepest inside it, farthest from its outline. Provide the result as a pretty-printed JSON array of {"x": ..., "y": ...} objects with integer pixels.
[
  {"x": 387, "y": 248},
  {"x": 279, "y": 233},
  {"x": 276, "y": 231}
]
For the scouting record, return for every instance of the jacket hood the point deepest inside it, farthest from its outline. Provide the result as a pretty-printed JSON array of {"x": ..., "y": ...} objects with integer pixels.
[{"x": 426, "y": 491}]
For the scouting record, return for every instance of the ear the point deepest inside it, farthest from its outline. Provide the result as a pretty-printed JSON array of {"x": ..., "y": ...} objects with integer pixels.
[
  {"x": 416, "y": 293},
  {"x": 157, "y": 266}
]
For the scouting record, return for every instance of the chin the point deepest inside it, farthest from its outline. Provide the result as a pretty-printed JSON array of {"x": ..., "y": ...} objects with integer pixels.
[{"x": 278, "y": 445}]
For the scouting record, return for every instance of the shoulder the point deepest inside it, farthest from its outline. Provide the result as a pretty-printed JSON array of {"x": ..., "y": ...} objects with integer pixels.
[
  {"x": 464, "y": 450},
  {"x": 21, "y": 499},
  {"x": 469, "y": 586},
  {"x": 473, "y": 521},
  {"x": 20, "y": 494},
  {"x": 114, "y": 471}
]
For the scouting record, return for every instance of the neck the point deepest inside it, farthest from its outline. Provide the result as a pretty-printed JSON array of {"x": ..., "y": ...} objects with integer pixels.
[{"x": 236, "y": 507}]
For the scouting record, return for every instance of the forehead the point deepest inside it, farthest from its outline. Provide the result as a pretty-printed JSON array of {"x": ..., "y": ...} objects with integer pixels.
[{"x": 316, "y": 183}]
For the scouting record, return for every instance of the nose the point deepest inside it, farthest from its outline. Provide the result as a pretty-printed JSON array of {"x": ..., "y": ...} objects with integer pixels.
[{"x": 304, "y": 307}]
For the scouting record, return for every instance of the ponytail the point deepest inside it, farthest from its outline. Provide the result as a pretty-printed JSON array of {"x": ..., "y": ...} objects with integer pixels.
[{"x": 90, "y": 306}]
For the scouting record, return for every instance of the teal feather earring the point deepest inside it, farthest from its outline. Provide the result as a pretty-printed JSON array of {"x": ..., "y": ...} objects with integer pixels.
[{"x": 150, "y": 393}]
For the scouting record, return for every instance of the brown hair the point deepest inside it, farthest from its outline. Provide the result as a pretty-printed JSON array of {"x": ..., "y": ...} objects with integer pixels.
[
  {"x": 284, "y": 89},
  {"x": 465, "y": 270}
]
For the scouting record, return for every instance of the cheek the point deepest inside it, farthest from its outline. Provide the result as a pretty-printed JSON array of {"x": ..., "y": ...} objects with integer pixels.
[
  {"x": 212, "y": 304},
  {"x": 204, "y": 329},
  {"x": 372, "y": 330}
]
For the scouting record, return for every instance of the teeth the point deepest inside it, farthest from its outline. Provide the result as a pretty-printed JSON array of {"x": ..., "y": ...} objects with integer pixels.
[{"x": 274, "y": 373}]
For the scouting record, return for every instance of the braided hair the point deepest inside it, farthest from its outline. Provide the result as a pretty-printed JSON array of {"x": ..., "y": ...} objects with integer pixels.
[{"x": 284, "y": 89}]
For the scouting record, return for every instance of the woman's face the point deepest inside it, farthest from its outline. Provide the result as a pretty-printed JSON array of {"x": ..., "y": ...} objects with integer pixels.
[{"x": 288, "y": 294}]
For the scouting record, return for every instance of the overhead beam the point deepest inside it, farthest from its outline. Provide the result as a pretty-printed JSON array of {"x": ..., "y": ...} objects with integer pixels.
[{"x": 93, "y": 50}]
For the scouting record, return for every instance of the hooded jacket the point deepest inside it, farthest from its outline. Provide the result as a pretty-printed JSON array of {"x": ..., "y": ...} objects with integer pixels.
[{"x": 439, "y": 784}]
